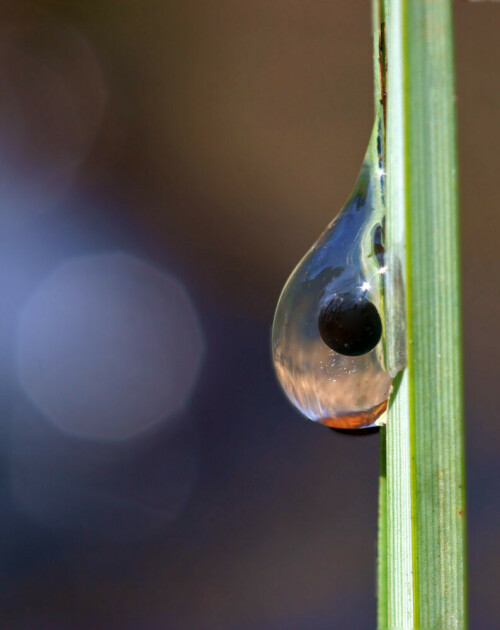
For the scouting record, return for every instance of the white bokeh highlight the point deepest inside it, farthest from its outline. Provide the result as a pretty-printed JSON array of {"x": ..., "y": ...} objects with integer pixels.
[{"x": 109, "y": 346}]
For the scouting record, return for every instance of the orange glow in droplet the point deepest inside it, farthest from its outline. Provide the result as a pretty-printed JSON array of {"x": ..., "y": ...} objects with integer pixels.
[{"x": 356, "y": 420}]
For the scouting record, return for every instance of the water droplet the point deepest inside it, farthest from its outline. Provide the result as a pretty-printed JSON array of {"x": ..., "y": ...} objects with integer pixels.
[{"x": 328, "y": 345}]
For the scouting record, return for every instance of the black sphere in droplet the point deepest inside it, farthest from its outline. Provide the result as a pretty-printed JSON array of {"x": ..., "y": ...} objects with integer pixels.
[{"x": 350, "y": 325}]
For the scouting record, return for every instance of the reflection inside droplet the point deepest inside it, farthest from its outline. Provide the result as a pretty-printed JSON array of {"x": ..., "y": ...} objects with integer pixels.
[{"x": 328, "y": 329}]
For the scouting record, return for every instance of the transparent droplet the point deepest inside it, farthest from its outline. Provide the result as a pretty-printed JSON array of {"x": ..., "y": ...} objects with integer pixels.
[{"x": 328, "y": 341}]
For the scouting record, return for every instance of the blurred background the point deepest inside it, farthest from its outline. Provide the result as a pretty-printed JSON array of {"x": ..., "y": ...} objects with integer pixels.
[{"x": 163, "y": 166}]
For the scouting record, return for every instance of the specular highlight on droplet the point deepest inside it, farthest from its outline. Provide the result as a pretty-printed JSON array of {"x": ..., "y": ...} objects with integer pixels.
[{"x": 327, "y": 340}]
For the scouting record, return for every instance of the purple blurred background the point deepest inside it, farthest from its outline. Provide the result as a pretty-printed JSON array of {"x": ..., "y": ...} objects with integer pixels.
[{"x": 163, "y": 166}]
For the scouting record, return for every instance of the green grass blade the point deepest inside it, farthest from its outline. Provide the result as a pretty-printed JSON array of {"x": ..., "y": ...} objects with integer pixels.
[
  {"x": 382, "y": 586},
  {"x": 425, "y": 531},
  {"x": 434, "y": 316},
  {"x": 400, "y": 564}
]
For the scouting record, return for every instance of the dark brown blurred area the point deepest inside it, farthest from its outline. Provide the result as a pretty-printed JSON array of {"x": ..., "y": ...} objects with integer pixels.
[{"x": 215, "y": 141}]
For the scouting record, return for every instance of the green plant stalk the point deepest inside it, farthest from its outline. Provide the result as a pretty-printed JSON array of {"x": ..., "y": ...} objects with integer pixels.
[
  {"x": 421, "y": 566},
  {"x": 382, "y": 586},
  {"x": 382, "y": 610}
]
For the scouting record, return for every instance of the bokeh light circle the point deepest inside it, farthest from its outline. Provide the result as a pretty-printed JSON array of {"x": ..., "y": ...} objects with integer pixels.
[{"x": 109, "y": 346}]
